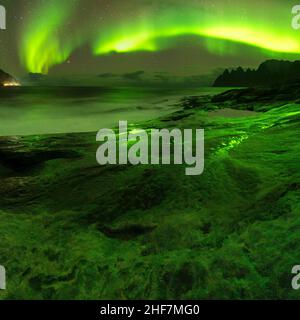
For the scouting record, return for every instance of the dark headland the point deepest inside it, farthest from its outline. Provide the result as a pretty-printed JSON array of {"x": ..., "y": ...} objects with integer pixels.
[{"x": 270, "y": 72}]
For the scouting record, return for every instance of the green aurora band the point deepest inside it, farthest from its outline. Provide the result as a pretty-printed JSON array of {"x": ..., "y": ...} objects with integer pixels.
[
  {"x": 45, "y": 42},
  {"x": 160, "y": 32}
]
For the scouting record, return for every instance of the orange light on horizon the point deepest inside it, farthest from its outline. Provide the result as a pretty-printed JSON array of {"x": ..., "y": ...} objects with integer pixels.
[{"x": 11, "y": 84}]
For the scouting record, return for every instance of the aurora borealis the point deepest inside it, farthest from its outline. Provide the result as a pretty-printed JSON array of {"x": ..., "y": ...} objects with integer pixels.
[
  {"x": 184, "y": 21},
  {"x": 51, "y": 33},
  {"x": 41, "y": 44}
]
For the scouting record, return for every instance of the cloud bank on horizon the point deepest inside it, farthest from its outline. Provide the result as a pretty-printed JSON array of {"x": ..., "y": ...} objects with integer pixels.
[{"x": 55, "y": 29}]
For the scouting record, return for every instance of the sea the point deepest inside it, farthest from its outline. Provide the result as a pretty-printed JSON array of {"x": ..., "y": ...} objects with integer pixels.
[{"x": 49, "y": 110}]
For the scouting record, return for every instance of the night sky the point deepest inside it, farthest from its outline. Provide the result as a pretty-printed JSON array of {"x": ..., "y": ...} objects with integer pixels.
[{"x": 189, "y": 37}]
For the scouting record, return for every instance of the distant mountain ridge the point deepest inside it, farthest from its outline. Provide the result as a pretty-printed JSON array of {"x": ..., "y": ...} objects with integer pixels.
[
  {"x": 270, "y": 72},
  {"x": 5, "y": 77}
]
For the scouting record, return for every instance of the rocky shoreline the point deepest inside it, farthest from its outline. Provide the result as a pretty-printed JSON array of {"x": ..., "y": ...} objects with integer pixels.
[{"x": 150, "y": 232}]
